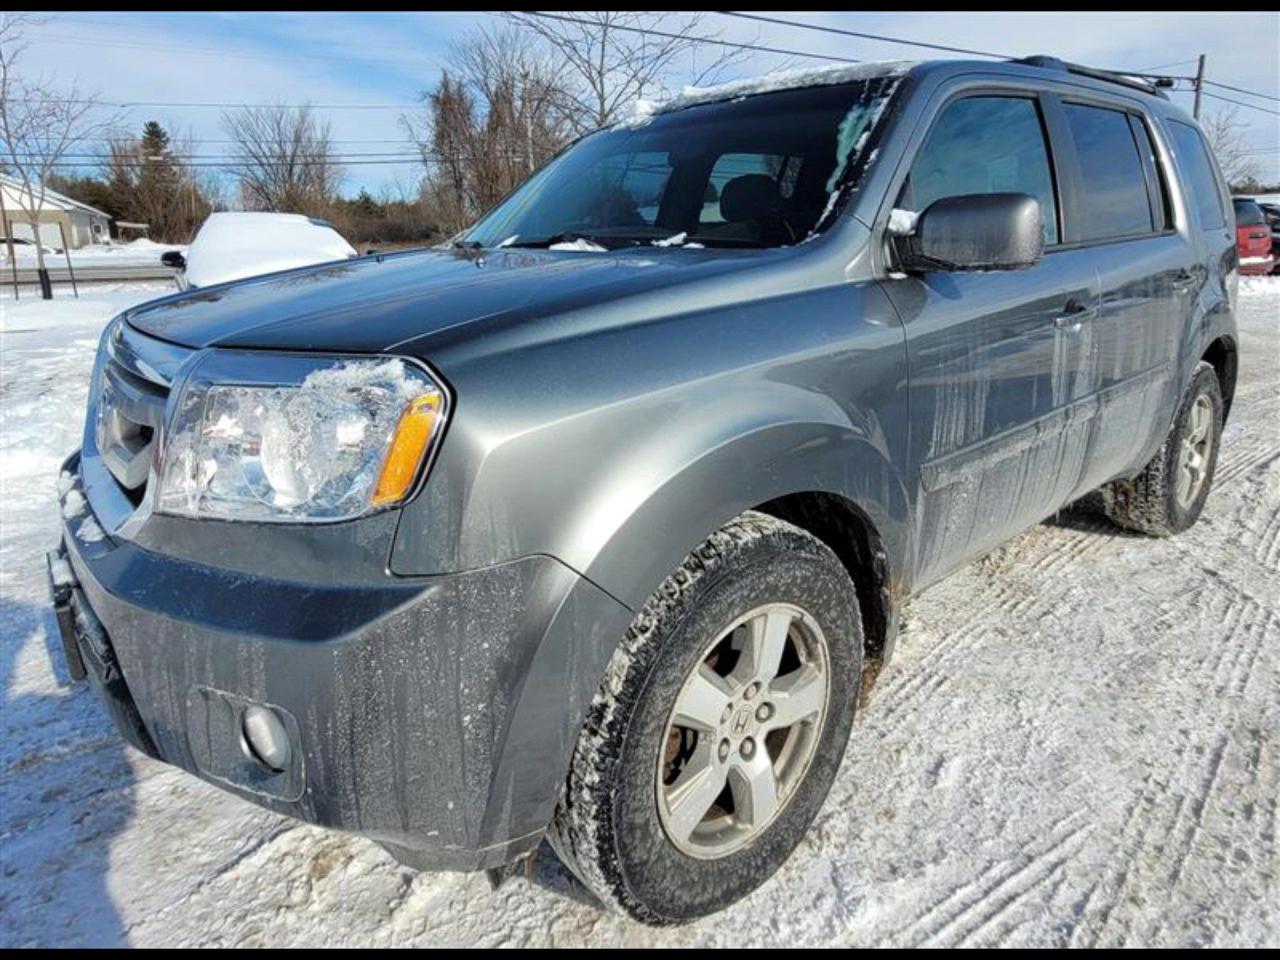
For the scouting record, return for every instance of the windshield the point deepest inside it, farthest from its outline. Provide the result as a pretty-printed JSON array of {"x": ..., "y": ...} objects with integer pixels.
[
  {"x": 1248, "y": 214},
  {"x": 759, "y": 171}
]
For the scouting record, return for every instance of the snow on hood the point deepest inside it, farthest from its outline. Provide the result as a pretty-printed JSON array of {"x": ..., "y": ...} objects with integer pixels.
[
  {"x": 779, "y": 80},
  {"x": 232, "y": 246}
]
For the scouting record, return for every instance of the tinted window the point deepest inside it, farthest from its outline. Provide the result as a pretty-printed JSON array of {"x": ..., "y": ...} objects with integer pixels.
[
  {"x": 985, "y": 145},
  {"x": 1248, "y": 214},
  {"x": 1197, "y": 171},
  {"x": 1114, "y": 201},
  {"x": 1157, "y": 186}
]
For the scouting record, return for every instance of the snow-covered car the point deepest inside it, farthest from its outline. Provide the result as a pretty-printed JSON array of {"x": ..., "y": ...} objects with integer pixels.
[
  {"x": 22, "y": 247},
  {"x": 233, "y": 246}
]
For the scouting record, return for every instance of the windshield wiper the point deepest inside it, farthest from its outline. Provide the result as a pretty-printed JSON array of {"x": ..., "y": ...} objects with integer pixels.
[{"x": 468, "y": 245}]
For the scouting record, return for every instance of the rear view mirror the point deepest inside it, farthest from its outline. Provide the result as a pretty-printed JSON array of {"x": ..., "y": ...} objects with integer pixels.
[
  {"x": 983, "y": 231},
  {"x": 173, "y": 258}
]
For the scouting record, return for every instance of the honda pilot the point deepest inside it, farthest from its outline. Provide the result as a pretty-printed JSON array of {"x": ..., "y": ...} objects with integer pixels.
[{"x": 588, "y": 525}]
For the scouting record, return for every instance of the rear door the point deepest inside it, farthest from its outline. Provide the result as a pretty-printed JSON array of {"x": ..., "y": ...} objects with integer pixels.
[
  {"x": 1118, "y": 208},
  {"x": 998, "y": 360}
]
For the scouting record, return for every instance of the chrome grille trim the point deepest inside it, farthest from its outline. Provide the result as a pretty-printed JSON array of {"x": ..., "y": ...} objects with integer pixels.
[{"x": 126, "y": 417}]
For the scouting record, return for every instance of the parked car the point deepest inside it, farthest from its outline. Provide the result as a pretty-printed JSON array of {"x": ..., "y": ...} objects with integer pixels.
[
  {"x": 591, "y": 525},
  {"x": 1253, "y": 238},
  {"x": 23, "y": 247},
  {"x": 1271, "y": 212},
  {"x": 231, "y": 246}
]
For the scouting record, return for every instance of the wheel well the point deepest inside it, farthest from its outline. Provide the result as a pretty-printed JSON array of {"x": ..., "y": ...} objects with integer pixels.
[
  {"x": 843, "y": 527},
  {"x": 1221, "y": 355}
]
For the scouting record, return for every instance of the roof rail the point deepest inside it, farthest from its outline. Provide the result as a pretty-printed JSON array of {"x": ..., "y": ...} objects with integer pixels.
[{"x": 1133, "y": 81}]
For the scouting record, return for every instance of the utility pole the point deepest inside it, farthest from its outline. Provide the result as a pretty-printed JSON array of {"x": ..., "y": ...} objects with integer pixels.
[{"x": 1195, "y": 110}]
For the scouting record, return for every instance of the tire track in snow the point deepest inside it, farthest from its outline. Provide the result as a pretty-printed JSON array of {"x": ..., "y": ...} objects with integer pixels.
[
  {"x": 996, "y": 889},
  {"x": 1243, "y": 459},
  {"x": 1175, "y": 821}
]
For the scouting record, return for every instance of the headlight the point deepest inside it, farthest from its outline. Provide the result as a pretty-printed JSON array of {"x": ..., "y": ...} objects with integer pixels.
[{"x": 312, "y": 440}]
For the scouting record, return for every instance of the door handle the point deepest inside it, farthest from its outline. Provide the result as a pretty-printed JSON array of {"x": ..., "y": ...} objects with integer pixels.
[{"x": 1072, "y": 317}]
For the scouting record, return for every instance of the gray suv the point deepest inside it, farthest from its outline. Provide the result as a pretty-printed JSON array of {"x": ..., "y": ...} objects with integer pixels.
[{"x": 588, "y": 525}]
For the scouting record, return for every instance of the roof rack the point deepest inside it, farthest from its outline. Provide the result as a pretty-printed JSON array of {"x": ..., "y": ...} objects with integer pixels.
[{"x": 1133, "y": 81}]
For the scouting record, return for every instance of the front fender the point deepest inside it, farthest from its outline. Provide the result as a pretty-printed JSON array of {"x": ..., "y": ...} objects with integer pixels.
[{"x": 771, "y": 460}]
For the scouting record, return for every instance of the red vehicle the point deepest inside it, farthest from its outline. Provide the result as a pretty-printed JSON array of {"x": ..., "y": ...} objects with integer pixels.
[{"x": 1253, "y": 238}]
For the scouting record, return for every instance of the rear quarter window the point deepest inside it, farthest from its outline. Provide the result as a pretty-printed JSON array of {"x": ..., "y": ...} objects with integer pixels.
[{"x": 1198, "y": 176}]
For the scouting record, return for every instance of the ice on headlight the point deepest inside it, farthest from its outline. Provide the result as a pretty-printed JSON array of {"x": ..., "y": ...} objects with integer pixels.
[{"x": 313, "y": 450}]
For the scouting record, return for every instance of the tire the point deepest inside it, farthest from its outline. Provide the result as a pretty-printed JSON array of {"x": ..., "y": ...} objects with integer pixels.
[
  {"x": 616, "y": 824},
  {"x": 1161, "y": 500}
]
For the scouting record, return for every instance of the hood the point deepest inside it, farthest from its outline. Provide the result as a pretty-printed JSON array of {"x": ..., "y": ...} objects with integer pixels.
[{"x": 379, "y": 304}]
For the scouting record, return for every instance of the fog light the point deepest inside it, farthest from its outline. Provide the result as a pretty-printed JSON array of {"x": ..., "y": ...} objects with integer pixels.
[{"x": 265, "y": 739}]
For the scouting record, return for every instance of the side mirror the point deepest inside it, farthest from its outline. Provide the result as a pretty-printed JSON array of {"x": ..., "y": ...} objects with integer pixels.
[
  {"x": 982, "y": 231},
  {"x": 174, "y": 258}
]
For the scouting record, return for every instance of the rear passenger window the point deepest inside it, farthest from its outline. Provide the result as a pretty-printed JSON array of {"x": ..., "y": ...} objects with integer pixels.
[
  {"x": 1197, "y": 171},
  {"x": 985, "y": 145},
  {"x": 1114, "y": 201}
]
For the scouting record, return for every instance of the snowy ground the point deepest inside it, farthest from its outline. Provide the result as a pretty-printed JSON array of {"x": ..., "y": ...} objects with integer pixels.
[
  {"x": 141, "y": 252},
  {"x": 1078, "y": 743}
]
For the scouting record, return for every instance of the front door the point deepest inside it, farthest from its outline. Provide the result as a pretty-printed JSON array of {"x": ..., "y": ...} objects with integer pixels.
[{"x": 1000, "y": 362}]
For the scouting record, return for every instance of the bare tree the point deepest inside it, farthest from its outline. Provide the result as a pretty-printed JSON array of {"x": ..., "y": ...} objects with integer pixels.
[
  {"x": 284, "y": 159},
  {"x": 151, "y": 179},
  {"x": 38, "y": 123},
  {"x": 1225, "y": 132},
  {"x": 618, "y": 57},
  {"x": 498, "y": 112}
]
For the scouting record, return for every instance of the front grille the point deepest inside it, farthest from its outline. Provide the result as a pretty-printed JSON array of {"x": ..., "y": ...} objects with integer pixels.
[
  {"x": 136, "y": 374},
  {"x": 130, "y": 412}
]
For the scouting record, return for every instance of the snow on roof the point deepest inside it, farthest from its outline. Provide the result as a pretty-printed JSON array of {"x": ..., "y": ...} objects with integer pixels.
[
  {"x": 15, "y": 189},
  {"x": 781, "y": 80}
]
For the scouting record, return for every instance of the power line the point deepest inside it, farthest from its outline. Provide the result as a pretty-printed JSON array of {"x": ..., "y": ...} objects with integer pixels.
[
  {"x": 129, "y": 104},
  {"x": 1252, "y": 93},
  {"x": 864, "y": 36},
  {"x": 182, "y": 141},
  {"x": 1166, "y": 66},
  {"x": 239, "y": 165},
  {"x": 648, "y": 31},
  {"x": 212, "y": 51},
  {"x": 1241, "y": 103},
  {"x": 177, "y": 157}
]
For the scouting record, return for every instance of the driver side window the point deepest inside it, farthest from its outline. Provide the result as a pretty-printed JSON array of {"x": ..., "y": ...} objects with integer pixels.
[{"x": 984, "y": 145}]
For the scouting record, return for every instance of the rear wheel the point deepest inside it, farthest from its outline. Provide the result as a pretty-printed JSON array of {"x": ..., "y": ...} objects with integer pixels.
[
  {"x": 1169, "y": 494},
  {"x": 719, "y": 728}
]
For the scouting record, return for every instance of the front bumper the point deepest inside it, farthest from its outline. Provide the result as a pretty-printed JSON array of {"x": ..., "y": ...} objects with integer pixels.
[{"x": 435, "y": 715}]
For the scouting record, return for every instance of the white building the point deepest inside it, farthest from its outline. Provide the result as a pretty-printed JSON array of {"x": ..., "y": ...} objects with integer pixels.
[{"x": 61, "y": 216}]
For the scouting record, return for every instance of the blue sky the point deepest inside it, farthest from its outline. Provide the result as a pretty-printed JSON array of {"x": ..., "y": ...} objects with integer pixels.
[{"x": 387, "y": 59}]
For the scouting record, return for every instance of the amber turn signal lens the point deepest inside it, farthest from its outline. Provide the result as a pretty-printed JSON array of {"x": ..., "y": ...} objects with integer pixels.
[{"x": 412, "y": 437}]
